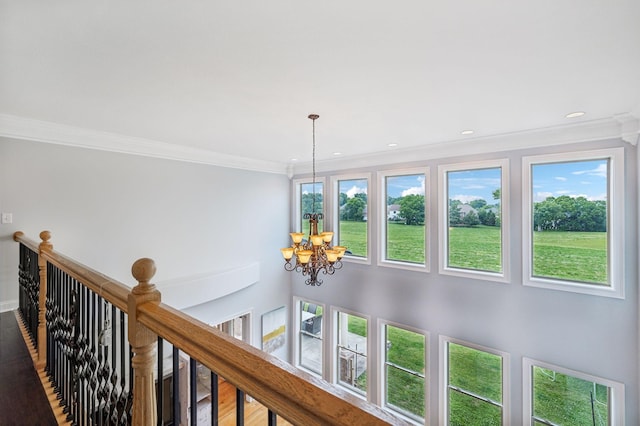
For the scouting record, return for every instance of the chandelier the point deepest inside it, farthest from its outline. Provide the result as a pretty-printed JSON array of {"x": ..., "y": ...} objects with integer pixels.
[{"x": 315, "y": 254}]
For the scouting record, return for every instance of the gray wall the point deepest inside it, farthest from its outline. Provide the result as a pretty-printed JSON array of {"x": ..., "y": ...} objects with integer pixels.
[
  {"x": 106, "y": 210},
  {"x": 595, "y": 335}
]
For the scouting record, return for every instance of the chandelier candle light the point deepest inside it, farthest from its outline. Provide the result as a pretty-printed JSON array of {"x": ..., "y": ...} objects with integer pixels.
[{"x": 316, "y": 253}]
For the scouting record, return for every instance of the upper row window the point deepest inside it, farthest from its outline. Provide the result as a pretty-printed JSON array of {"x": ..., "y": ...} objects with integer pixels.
[
  {"x": 474, "y": 236},
  {"x": 573, "y": 215}
]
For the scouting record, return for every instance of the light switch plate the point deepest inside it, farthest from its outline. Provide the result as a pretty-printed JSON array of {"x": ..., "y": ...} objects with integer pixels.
[{"x": 7, "y": 217}]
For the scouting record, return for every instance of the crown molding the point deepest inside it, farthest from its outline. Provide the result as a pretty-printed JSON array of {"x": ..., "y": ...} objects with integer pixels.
[
  {"x": 623, "y": 126},
  {"x": 60, "y": 134}
]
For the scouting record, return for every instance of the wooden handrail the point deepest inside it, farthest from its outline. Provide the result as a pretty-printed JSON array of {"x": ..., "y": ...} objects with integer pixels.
[
  {"x": 295, "y": 395},
  {"x": 21, "y": 238},
  {"x": 113, "y": 291}
]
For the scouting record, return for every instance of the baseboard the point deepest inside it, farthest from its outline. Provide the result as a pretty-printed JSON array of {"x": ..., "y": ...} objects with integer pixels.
[{"x": 9, "y": 305}]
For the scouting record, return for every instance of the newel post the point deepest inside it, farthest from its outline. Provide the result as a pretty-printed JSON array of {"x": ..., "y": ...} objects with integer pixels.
[
  {"x": 143, "y": 342},
  {"x": 45, "y": 246}
]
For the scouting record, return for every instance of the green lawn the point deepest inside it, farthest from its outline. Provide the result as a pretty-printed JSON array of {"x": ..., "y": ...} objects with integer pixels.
[
  {"x": 475, "y": 248},
  {"x": 574, "y": 256}
]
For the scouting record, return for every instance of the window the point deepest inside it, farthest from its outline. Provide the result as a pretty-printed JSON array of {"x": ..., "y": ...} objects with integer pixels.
[
  {"x": 475, "y": 385},
  {"x": 311, "y": 343},
  {"x": 351, "y": 352},
  {"x": 404, "y": 371},
  {"x": 474, "y": 223},
  {"x": 352, "y": 215},
  {"x": 403, "y": 219},
  {"x": 309, "y": 199},
  {"x": 573, "y": 220},
  {"x": 555, "y": 395}
]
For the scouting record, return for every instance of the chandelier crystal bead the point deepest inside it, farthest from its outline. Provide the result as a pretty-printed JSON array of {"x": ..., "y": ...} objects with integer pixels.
[{"x": 315, "y": 254}]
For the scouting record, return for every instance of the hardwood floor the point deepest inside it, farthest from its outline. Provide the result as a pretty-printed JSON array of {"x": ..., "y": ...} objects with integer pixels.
[
  {"x": 23, "y": 401},
  {"x": 254, "y": 413},
  {"x": 22, "y": 398}
]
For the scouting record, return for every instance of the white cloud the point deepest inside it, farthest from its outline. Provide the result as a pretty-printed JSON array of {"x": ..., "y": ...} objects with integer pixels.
[
  {"x": 464, "y": 199},
  {"x": 541, "y": 196},
  {"x": 355, "y": 190},
  {"x": 413, "y": 191},
  {"x": 563, "y": 192},
  {"x": 600, "y": 171},
  {"x": 561, "y": 178},
  {"x": 473, "y": 187}
]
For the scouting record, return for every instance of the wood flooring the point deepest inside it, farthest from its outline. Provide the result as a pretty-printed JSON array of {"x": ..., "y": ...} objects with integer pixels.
[{"x": 24, "y": 401}]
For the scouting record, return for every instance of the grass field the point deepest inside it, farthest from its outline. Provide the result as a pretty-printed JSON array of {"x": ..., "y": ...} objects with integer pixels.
[
  {"x": 573, "y": 256},
  {"x": 558, "y": 398}
]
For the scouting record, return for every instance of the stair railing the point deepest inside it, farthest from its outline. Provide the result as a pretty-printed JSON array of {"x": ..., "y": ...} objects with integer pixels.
[{"x": 103, "y": 376}]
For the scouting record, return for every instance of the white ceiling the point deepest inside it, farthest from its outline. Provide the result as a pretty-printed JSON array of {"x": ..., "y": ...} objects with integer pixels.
[{"x": 239, "y": 77}]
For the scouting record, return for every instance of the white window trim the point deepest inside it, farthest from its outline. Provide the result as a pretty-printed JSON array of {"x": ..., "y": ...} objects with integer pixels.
[
  {"x": 615, "y": 225},
  {"x": 617, "y": 389},
  {"x": 443, "y": 228},
  {"x": 297, "y": 200},
  {"x": 297, "y": 320},
  {"x": 382, "y": 220},
  {"x": 335, "y": 311},
  {"x": 335, "y": 217},
  {"x": 381, "y": 371},
  {"x": 444, "y": 377}
]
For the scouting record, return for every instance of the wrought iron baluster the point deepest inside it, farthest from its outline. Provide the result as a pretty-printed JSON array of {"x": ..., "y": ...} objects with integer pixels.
[
  {"x": 175, "y": 418},
  {"x": 160, "y": 383},
  {"x": 239, "y": 407},
  {"x": 193, "y": 390},
  {"x": 215, "y": 408}
]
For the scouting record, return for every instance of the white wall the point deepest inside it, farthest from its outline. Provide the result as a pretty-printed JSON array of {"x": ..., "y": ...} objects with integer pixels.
[
  {"x": 106, "y": 210},
  {"x": 596, "y": 335}
]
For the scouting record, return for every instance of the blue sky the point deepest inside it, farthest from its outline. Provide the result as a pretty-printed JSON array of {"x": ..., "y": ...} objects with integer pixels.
[
  {"x": 578, "y": 178},
  {"x": 469, "y": 185},
  {"x": 399, "y": 186}
]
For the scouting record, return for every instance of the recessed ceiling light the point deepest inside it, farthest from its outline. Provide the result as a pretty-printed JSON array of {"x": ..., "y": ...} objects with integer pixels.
[
  {"x": 575, "y": 114},
  {"x": 392, "y": 144},
  {"x": 466, "y": 132},
  {"x": 294, "y": 159},
  {"x": 337, "y": 153}
]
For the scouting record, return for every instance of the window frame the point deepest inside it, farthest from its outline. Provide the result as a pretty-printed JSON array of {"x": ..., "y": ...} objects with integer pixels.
[
  {"x": 615, "y": 223},
  {"x": 444, "y": 377},
  {"x": 381, "y": 380},
  {"x": 297, "y": 196},
  {"x": 382, "y": 220},
  {"x": 443, "y": 228},
  {"x": 335, "y": 217},
  {"x": 617, "y": 389},
  {"x": 297, "y": 348},
  {"x": 335, "y": 367}
]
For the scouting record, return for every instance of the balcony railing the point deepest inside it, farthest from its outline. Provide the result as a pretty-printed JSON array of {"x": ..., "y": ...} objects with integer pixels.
[{"x": 102, "y": 345}]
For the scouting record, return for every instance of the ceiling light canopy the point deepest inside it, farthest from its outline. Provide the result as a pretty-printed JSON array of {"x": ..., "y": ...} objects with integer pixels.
[{"x": 315, "y": 254}]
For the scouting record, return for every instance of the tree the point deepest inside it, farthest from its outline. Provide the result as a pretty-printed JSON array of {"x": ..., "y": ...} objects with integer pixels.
[
  {"x": 471, "y": 219},
  {"x": 478, "y": 203},
  {"x": 353, "y": 209},
  {"x": 497, "y": 194},
  {"x": 412, "y": 209},
  {"x": 487, "y": 216},
  {"x": 455, "y": 215},
  {"x": 343, "y": 199},
  {"x": 307, "y": 203}
]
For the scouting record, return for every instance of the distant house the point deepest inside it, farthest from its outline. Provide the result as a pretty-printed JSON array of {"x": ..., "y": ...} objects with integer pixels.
[
  {"x": 465, "y": 209},
  {"x": 393, "y": 212}
]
